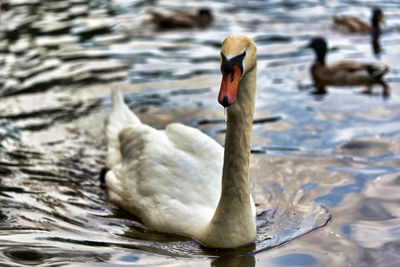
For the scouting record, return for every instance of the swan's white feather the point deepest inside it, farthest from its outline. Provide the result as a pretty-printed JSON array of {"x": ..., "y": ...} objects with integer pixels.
[
  {"x": 119, "y": 117},
  {"x": 169, "y": 178},
  {"x": 172, "y": 179}
]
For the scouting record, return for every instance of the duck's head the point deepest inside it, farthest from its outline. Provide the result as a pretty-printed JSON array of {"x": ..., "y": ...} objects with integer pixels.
[
  {"x": 204, "y": 16},
  {"x": 377, "y": 17},
  {"x": 204, "y": 12},
  {"x": 238, "y": 57},
  {"x": 318, "y": 44},
  {"x": 320, "y": 47}
]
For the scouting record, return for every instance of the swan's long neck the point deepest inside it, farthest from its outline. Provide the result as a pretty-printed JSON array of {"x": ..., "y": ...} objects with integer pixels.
[
  {"x": 233, "y": 223},
  {"x": 235, "y": 188}
]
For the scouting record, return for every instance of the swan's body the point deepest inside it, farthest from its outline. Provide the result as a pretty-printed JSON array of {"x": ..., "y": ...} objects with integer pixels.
[
  {"x": 179, "y": 180},
  {"x": 344, "y": 73}
]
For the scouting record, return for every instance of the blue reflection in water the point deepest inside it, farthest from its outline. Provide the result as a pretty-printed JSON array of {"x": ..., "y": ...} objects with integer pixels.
[
  {"x": 395, "y": 231},
  {"x": 362, "y": 176},
  {"x": 308, "y": 187},
  {"x": 277, "y": 188},
  {"x": 295, "y": 259},
  {"x": 346, "y": 230},
  {"x": 129, "y": 258}
]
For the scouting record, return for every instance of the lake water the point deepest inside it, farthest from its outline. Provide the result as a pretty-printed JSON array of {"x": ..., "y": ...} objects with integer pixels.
[{"x": 324, "y": 169}]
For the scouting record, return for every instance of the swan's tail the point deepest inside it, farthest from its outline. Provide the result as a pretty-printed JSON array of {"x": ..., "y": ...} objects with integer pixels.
[{"x": 120, "y": 117}]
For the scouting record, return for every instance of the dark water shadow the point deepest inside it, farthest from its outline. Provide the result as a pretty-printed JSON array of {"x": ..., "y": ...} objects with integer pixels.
[{"x": 229, "y": 261}]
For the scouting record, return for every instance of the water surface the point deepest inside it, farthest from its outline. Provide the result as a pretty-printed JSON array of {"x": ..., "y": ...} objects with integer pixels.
[{"x": 324, "y": 169}]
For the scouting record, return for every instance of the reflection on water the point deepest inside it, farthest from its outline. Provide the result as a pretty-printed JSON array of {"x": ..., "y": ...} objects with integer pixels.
[
  {"x": 376, "y": 46},
  {"x": 59, "y": 61}
]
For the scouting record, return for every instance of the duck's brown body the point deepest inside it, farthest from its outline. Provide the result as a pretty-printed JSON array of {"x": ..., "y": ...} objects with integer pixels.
[
  {"x": 351, "y": 25},
  {"x": 182, "y": 19},
  {"x": 347, "y": 24},
  {"x": 344, "y": 73},
  {"x": 348, "y": 73}
]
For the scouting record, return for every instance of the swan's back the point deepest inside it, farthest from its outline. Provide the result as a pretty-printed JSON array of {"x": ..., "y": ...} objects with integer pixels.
[{"x": 169, "y": 178}]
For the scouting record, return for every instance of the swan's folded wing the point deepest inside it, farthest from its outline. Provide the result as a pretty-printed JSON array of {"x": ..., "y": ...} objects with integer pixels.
[
  {"x": 194, "y": 142},
  {"x": 164, "y": 176}
]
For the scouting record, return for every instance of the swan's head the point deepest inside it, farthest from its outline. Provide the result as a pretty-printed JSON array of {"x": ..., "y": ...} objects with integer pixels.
[{"x": 238, "y": 56}]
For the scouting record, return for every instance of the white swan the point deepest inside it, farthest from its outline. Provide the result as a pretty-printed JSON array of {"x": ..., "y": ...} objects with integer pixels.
[{"x": 179, "y": 180}]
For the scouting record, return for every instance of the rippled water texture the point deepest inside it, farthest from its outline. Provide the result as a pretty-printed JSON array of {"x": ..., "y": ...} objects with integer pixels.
[{"x": 324, "y": 168}]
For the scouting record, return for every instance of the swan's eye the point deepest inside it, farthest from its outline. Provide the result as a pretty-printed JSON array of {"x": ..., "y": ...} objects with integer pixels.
[{"x": 227, "y": 65}]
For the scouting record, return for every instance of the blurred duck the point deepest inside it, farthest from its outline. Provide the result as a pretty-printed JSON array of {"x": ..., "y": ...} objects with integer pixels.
[
  {"x": 345, "y": 72},
  {"x": 182, "y": 19},
  {"x": 4, "y": 7},
  {"x": 347, "y": 24}
]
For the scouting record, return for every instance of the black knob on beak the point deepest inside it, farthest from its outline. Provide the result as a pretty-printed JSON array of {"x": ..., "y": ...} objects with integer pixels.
[{"x": 225, "y": 102}]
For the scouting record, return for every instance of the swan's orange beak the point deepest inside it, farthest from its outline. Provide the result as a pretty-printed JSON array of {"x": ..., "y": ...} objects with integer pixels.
[{"x": 229, "y": 85}]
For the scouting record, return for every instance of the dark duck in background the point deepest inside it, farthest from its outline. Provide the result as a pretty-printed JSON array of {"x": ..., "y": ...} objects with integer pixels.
[
  {"x": 344, "y": 73},
  {"x": 181, "y": 19},
  {"x": 346, "y": 24}
]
